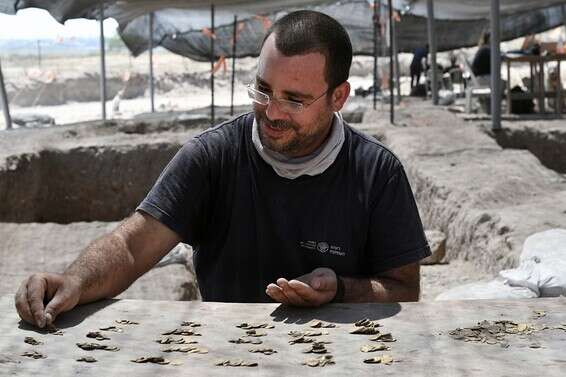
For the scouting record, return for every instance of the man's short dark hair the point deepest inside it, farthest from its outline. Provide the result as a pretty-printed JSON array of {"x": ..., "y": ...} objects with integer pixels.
[{"x": 307, "y": 31}]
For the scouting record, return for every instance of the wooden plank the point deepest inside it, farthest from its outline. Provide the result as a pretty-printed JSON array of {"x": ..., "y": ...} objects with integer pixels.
[{"x": 423, "y": 345}]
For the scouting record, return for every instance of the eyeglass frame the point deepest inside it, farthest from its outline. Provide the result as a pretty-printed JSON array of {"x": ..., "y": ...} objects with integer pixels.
[{"x": 302, "y": 105}]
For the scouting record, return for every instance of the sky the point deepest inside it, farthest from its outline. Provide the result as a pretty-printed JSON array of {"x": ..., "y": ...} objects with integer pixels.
[{"x": 38, "y": 24}]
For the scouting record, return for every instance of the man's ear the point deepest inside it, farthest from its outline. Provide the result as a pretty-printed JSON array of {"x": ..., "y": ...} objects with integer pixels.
[{"x": 340, "y": 95}]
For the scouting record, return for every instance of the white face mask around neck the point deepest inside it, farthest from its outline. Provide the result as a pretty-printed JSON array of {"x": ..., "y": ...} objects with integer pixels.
[{"x": 313, "y": 164}]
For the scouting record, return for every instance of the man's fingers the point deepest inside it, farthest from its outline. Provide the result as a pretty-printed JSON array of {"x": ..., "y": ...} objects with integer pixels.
[
  {"x": 42, "y": 297},
  {"x": 22, "y": 304},
  {"x": 59, "y": 303},
  {"x": 276, "y": 293},
  {"x": 291, "y": 294},
  {"x": 313, "y": 289},
  {"x": 49, "y": 319},
  {"x": 305, "y": 292},
  {"x": 323, "y": 283},
  {"x": 35, "y": 293},
  {"x": 64, "y": 293}
]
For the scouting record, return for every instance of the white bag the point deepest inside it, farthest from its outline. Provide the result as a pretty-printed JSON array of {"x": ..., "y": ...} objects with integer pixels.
[
  {"x": 495, "y": 290},
  {"x": 542, "y": 264}
]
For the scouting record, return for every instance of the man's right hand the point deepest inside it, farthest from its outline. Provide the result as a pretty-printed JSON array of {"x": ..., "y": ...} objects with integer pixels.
[{"x": 42, "y": 297}]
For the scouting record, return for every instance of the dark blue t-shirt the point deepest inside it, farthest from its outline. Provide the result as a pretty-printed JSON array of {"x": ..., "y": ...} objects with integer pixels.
[
  {"x": 248, "y": 226},
  {"x": 419, "y": 54}
]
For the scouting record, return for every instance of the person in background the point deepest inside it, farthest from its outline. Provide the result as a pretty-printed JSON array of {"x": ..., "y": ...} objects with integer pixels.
[
  {"x": 481, "y": 65},
  {"x": 419, "y": 54}
]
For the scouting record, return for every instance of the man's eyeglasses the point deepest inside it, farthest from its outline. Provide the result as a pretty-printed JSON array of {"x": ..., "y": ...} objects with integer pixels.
[{"x": 287, "y": 106}]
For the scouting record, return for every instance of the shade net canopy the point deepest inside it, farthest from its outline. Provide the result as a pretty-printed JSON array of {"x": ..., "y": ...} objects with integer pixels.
[
  {"x": 126, "y": 10},
  {"x": 471, "y": 9},
  {"x": 183, "y": 26}
]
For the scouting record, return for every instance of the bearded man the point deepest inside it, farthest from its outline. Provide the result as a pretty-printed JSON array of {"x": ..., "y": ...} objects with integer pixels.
[{"x": 287, "y": 203}]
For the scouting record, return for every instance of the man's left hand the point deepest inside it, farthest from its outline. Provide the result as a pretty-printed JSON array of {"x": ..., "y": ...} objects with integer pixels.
[{"x": 313, "y": 289}]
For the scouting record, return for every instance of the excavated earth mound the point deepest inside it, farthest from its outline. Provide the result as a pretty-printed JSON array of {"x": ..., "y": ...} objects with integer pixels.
[{"x": 80, "y": 89}]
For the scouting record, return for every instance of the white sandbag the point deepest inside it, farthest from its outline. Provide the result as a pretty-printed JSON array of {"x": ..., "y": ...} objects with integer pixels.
[
  {"x": 546, "y": 247},
  {"x": 446, "y": 98},
  {"x": 526, "y": 275},
  {"x": 495, "y": 289},
  {"x": 542, "y": 264}
]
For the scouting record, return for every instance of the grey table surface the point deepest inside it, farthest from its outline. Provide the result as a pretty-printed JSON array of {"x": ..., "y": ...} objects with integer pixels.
[{"x": 423, "y": 346}]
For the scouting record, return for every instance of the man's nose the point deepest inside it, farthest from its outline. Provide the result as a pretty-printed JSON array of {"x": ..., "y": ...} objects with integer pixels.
[{"x": 273, "y": 111}]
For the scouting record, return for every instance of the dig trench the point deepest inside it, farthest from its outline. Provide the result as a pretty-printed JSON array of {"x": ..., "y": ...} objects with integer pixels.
[
  {"x": 79, "y": 184},
  {"x": 548, "y": 145}
]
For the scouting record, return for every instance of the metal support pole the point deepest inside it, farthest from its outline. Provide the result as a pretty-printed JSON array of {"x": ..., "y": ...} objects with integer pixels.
[
  {"x": 382, "y": 12},
  {"x": 375, "y": 25},
  {"x": 396, "y": 57},
  {"x": 558, "y": 106},
  {"x": 234, "y": 41},
  {"x": 151, "y": 80},
  {"x": 38, "y": 53},
  {"x": 541, "y": 94},
  {"x": 102, "y": 63},
  {"x": 432, "y": 49},
  {"x": 212, "y": 63},
  {"x": 495, "y": 67},
  {"x": 391, "y": 86},
  {"x": 509, "y": 101},
  {"x": 4, "y": 99}
]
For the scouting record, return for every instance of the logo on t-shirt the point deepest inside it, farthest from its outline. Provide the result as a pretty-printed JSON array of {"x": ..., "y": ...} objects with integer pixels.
[{"x": 322, "y": 247}]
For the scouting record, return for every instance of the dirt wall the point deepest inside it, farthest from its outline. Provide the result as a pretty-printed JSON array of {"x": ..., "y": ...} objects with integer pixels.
[
  {"x": 94, "y": 183},
  {"x": 547, "y": 142},
  {"x": 82, "y": 89}
]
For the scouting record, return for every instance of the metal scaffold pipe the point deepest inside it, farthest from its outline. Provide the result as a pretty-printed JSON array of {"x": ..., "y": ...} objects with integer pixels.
[
  {"x": 391, "y": 86},
  {"x": 4, "y": 99},
  {"x": 102, "y": 63},
  {"x": 375, "y": 25},
  {"x": 212, "y": 63},
  {"x": 495, "y": 67},
  {"x": 151, "y": 80},
  {"x": 432, "y": 48},
  {"x": 234, "y": 42}
]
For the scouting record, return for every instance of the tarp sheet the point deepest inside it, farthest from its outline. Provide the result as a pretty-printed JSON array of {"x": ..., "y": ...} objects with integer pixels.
[
  {"x": 471, "y": 9},
  {"x": 126, "y": 10},
  {"x": 459, "y": 24},
  {"x": 174, "y": 30}
]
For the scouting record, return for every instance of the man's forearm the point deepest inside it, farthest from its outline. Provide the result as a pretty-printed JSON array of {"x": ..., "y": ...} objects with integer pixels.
[
  {"x": 379, "y": 289},
  {"x": 104, "y": 269},
  {"x": 110, "y": 264}
]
